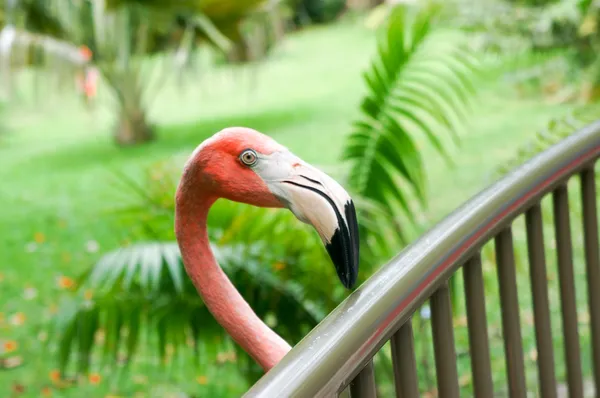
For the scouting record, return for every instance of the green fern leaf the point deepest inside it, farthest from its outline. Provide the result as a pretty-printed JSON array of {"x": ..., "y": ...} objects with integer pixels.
[{"x": 420, "y": 86}]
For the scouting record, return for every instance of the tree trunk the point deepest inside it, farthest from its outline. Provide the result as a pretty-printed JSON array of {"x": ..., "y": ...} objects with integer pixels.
[
  {"x": 133, "y": 128},
  {"x": 239, "y": 52}
]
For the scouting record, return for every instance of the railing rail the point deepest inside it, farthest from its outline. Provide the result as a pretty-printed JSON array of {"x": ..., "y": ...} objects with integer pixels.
[{"x": 338, "y": 352}]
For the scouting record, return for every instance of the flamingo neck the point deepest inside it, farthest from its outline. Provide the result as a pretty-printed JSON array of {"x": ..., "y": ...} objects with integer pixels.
[{"x": 223, "y": 300}]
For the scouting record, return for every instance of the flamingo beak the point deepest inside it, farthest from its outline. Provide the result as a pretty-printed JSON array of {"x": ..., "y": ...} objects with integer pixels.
[{"x": 317, "y": 199}]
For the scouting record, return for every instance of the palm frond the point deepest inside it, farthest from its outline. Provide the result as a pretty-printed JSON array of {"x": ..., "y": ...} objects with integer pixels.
[
  {"x": 420, "y": 85},
  {"x": 145, "y": 287},
  {"x": 64, "y": 50},
  {"x": 122, "y": 39}
]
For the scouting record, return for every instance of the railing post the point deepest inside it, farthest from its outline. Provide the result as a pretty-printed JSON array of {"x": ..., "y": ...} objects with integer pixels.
[
  {"x": 564, "y": 253},
  {"x": 541, "y": 307},
  {"x": 405, "y": 367},
  {"x": 590, "y": 236},
  {"x": 477, "y": 327},
  {"x": 363, "y": 385},
  {"x": 443, "y": 343},
  {"x": 511, "y": 326}
]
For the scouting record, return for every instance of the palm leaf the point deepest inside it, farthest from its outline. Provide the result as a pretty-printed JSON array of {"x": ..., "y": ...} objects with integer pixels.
[
  {"x": 144, "y": 286},
  {"x": 420, "y": 86},
  {"x": 13, "y": 38}
]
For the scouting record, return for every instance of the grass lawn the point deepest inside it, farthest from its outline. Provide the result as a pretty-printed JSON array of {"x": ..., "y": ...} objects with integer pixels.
[{"x": 56, "y": 162}]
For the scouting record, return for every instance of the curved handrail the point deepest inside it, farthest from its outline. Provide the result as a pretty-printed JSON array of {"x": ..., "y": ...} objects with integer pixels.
[{"x": 329, "y": 357}]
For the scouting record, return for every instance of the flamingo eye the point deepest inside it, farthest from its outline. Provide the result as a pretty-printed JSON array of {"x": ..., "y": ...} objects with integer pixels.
[{"x": 248, "y": 157}]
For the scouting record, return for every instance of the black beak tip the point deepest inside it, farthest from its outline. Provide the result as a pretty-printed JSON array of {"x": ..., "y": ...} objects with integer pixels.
[
  {"x": 344, "y": 248},
  {"x": 344, "y": 260},
  {"x": 348, "y": 278},
  {"x": 346, "y": 263}
]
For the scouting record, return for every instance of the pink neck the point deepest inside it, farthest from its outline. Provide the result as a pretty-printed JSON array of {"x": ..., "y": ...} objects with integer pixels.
[{"x": 220, "y": 296}]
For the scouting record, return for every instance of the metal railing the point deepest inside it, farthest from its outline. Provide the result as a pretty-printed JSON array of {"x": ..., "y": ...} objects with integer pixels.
[{"x": 339, "y": 351}]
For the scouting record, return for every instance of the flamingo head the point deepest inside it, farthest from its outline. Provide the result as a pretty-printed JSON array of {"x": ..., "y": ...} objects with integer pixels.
[{"x": 243, "y": 165}]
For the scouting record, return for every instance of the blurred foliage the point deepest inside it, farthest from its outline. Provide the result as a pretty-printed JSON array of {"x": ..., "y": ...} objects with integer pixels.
[
  {"x": 316, "y": 11},
  {"x": 168, "y": 19},
  {"x": 523, "y": 27},
  {"x": 122, "y": 34},
  {"x": 532, "y": 2},
  {"x": 257, "y": 34},
  {"x": 246, "y": 29}
]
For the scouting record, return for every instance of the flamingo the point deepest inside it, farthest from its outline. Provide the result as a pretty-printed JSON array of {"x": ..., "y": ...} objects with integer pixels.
[{"x": 244, "y": 165}]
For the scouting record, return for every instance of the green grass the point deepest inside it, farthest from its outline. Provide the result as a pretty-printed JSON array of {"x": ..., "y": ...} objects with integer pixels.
[{"x": 56, "y": 162}]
